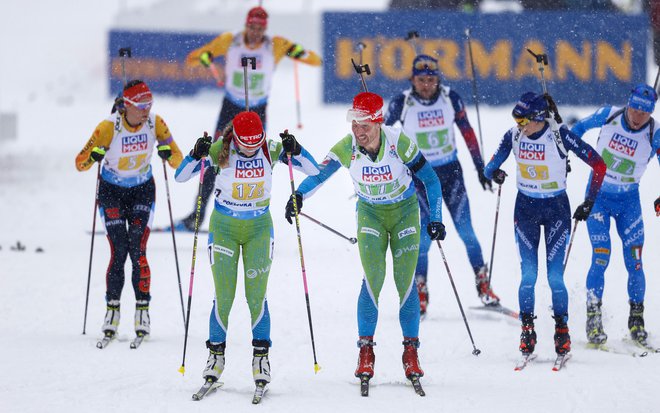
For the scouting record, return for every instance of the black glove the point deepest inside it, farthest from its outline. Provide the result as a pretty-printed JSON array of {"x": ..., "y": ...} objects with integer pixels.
[
  {"x": 290, "y": 211},
  {"x": 656, "y": 204},
  {"x": 583, "y": 210},
  {"x": 499, "y": 176},
  {"x": 201, "y": 148},
  {"x": 165, "y": 152},
  {"x": 552, "y": 107},
  {"x": 486, "y": 183},
  {"x": 436, "y": 230},
  {"x": 206, "y": 59},
  {"x": 289, "y": 143},
  {"x": 295, "y": 51},
  {"x": 97, "y": 154}
]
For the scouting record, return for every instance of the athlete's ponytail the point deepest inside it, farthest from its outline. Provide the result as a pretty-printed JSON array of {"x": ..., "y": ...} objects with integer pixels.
[{"x": 227, "y": 135}]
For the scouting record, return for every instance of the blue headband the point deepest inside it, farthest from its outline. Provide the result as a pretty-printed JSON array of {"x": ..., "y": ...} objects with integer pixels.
[{"x": 425, "y": 65}]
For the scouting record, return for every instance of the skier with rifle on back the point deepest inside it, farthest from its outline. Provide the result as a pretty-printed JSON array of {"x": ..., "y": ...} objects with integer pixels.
[
  {"x": 540, "y": 148},
  {"x": 627, "y": 141},
  {"x": 124, "y": 144}
]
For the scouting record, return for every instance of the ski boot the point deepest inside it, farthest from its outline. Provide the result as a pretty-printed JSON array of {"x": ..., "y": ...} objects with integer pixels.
[
  {"x": 215, "y": 364},
  {"x": 142, "y": 320},
  {"x": 423, "y": 292},
  {"x": 595, "y": 332},
  {"x": 367, "y": 358},
  {"x": 484, "y": 289},
  {"x": 260, "y": 362},
  {"x": 111, "y": 320},
  {"x": 409, "y": 358},
  {"x": 528, "y": 335},
  {"x": 636, "y": 322},
  {"x": 562, "y": 338}
]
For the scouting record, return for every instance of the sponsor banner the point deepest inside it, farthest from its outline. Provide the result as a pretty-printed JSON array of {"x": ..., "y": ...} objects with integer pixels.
[
  {"x": 158, "y": 59},
  {"x": 592, "y": 60}
]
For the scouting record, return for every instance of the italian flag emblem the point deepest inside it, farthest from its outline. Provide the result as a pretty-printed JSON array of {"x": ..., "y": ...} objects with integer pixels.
[{"x": 637, "y": 252}]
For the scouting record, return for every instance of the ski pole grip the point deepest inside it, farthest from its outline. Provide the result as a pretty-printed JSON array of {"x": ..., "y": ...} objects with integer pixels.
[
  {"x": 125, "y": 52},
  {"x": 252, "y": 61}
]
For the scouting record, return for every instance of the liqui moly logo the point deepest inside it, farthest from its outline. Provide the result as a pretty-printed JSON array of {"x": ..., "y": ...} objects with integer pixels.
[
  {"x": 532, "y": 151},
  {"x": 430, "y": 118},
  {"x": 134, "y": 143},
  {"x": 376, "y": 173},
  {"x": 623, "y": 144},
  {"x": 253, "y": 168}
]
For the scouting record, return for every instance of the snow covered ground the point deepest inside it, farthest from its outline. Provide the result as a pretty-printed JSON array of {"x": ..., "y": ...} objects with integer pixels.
[{"x": 53, "y": 77}]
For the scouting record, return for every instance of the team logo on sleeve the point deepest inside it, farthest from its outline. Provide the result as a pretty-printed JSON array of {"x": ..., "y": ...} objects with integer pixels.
[
  {"x": 430, "y": 118},
  {"x": 135, "y": 143},
  {"x": 623, "y": 144},
  {"x": 253, "y": 168},
  {"x": 377, "y": 174},
  {"x": 532, "y": 151}
]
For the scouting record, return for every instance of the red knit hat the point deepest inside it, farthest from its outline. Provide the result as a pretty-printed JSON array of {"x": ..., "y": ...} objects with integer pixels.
[
  {"x": 257, "y": 15},
  {"x": 367, "y": 107},
  {"x": 248, "y": 130}
]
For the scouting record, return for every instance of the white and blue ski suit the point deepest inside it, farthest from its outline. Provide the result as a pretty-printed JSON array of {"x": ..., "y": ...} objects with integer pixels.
[
  {"x": 542, "y": 201},
  {"x": 627, "y": 153}
]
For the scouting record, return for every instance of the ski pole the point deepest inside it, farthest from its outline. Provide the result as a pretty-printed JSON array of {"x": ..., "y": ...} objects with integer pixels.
[
  {"x": 475, "y": 94},
  {"x": 492, "y": 248},
  {"x": 91, "y": 248},
  {"x": 302, "y": 260},
  {"x": 475, "y": 350},
  {"x": 339, "y": 234},
  {"x": 176, "y": 255},
  {"x": 361, "y": 46},
  {"x": 570, "y": 244},
  {"x": 216, "y": 75},
  {"x": 412, "y": 38},
  {"x": 124, "y": 52},
  {"x": 361, "y": 69},
  {"x": 198, "y": 212},
  {"x": 244, "y": 62},
  {"x": 297, "y": 92}
]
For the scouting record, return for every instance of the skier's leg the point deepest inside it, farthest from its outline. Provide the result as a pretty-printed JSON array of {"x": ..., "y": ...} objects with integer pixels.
[
  {"x": 630, "y": 226},
  {"x": 598, "y": 225},
  {"x": 224, "y": 251},
  {"x": 557, "y": 225},
  {"x": 456, "y": 199},
  {"x": 372, "y": 243},
  {"x": 404, "y": 241},
  {"x": 527, "y": 233},
  {"x": 112, "y": 215},
  {"x": 140, "y": 216},
  {"x": 257, "y": 259}
]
